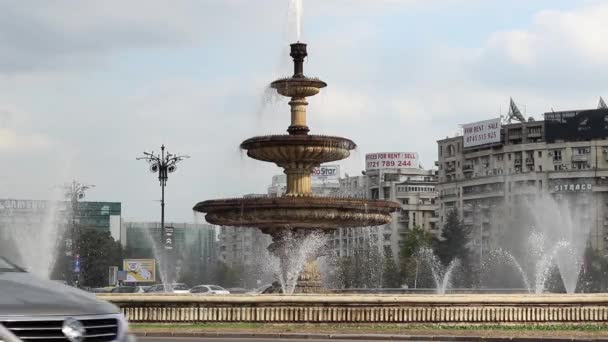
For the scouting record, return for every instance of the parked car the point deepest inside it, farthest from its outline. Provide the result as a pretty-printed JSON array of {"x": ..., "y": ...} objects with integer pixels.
[
  {"x": 168, "y": 288},
  {"x": 209, "y": 289},
  {"x": 49, "y": 310},
  {"x": 127, "y": 289}
]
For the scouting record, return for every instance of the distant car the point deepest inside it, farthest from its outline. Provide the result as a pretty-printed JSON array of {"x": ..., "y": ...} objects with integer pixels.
[
  {"x": 260, "y": 289},
  {"x": 209, "y": 289},
  {"x": 127, "y": 289},
  {"x": 237, "y": 290},
  {"x": 43, "y": 310},
  {"x": 266, "y": 289},
  {"x": 168, "y": 288}
]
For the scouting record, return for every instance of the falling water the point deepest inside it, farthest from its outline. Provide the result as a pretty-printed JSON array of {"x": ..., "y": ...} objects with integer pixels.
[
  {"x": 295, "y": 251},
  {"x": 504, "y": 256},
  {"x": 163, "y": 272},
  {"x": 35, "y": 246},
  {"x": 441, "y": 276},
  {"x": 564, "y": 224}
]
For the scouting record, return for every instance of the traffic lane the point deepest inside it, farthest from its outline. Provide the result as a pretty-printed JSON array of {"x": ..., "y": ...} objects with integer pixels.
[{"x": 243, "y": 339}]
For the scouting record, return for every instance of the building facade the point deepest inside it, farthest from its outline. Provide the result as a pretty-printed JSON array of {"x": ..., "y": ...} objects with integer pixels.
[
  {"x": 26, "y": 215},
  {"x": 192, "y": 240},
  {"x": 564, "y": 156},
  {"x": 396, "y": 177}
]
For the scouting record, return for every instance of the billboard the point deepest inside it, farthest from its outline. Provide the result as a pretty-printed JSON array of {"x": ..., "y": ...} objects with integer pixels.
[
  {"x": 139, "y": 270},
  {"x": 481, "y": 133},
  {"x": 325, "y": 173},
  {"x": 391, "y": 160},
  {"x": 576, "y": 125}
]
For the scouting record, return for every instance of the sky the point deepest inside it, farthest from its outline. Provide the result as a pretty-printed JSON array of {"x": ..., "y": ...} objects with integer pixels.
[{"x": 87, "y": 86}]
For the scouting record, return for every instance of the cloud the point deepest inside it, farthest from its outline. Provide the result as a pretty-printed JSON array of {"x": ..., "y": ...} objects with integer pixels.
[
  {"x": 15, "y": 135},
  {"x": 560, "y": 51}
]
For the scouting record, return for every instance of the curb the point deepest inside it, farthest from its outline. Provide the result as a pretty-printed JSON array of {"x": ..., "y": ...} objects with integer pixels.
[{"x": 351, "y": 337}]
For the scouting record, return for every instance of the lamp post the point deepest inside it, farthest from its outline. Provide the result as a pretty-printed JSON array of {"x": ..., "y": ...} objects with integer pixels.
[
  {"x": 163, "y": 164},
  {"x": 74, "y": 192}
]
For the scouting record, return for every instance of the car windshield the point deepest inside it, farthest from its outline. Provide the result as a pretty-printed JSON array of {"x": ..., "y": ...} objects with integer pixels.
[
  {"x": 216, "y": 288},
  {"x": 6, "y": 266}
]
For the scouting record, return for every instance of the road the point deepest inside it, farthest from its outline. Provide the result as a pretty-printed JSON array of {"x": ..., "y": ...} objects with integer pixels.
[{"x": 225, "y": 339}]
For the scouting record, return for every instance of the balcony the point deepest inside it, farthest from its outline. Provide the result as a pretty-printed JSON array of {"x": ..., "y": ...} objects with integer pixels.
[
  {"x": 529, "y": 161},
  {"x": 467, "y": 168},
  {"x": 517, "y": 161},
  {"x": 434, "y": 219},
  {"x": 580, "y": 157},
  {"x": 450, "y": 169}
]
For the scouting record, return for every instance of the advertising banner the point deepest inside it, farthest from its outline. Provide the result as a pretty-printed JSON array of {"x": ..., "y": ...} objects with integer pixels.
[
  {"x": 139, "y": 270},
  {"x": 481, "y": 133},
  {"x": 391, "y": 160},
  {"x": 168, "y": 232},
  {"x": 325, "y": 173}
]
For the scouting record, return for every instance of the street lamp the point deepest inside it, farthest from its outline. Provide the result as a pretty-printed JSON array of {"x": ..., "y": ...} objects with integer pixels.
[
  {"x": 74, "y": 192},
  {"x": 163, "y": 164}
]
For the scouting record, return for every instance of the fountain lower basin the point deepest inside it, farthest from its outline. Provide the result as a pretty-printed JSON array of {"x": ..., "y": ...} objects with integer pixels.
[{"x": 274, "y": 214}]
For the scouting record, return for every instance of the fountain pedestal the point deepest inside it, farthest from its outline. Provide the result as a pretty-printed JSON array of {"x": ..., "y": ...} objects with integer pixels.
[{"x": 310, "y": 280}]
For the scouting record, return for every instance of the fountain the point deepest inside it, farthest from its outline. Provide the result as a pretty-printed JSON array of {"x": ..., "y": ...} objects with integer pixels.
[
  {"x": 442, "y": 276},
  {"x": 297, "y": 211}
]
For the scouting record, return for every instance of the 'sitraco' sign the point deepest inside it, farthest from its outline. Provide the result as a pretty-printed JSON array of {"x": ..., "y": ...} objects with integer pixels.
[{"x": 391, "y": 160}]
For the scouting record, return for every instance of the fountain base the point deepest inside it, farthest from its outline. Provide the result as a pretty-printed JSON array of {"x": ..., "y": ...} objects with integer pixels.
[{"x": 310, "y": 279}]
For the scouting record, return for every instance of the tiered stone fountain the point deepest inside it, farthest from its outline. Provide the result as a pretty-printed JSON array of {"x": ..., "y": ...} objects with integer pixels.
[{"x": 297, "y": 153}]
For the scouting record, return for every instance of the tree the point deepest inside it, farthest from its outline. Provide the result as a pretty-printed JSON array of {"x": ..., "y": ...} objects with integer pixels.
[
  {"x": 453, "y": 245},
  {"x": 593, "y": 273},
  {"x": 390, "y": 275},
  {"x": 98, "y": 251},
  {"x": 453, "y": 241},
  {"x": 413, "y": 272}
]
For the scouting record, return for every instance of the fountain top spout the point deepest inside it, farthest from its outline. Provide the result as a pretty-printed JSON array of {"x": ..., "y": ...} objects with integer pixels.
[{"x": 298, "y": 53}]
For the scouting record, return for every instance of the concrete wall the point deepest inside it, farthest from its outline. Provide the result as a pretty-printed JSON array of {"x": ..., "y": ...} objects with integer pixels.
[{"x": 558, "y": 308}]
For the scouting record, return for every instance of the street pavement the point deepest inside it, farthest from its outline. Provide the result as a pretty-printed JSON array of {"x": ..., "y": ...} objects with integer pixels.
[{"x": 226, "y": 339}]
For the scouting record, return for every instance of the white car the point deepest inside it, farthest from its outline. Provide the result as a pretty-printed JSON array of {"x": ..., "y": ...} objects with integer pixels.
[
  {"x": 168, "y": 288},
  {"x": 209, "y": 289}
]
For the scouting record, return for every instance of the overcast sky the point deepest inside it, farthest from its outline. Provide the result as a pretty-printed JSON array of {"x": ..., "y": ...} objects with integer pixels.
[{"x": 87, "y": 86}]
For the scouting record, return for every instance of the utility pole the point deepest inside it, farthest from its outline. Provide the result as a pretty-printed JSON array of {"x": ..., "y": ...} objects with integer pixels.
[{"x": 74, "y": 192}]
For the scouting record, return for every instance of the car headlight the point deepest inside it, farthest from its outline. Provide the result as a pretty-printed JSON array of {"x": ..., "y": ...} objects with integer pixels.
[{"x": 123, "y": 330}]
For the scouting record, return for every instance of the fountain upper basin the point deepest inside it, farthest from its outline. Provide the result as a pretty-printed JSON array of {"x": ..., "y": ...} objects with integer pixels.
[
  {"x": 274, "y": 214},
  {"x": 300, "y": 149},
  {"x": 298, "y": 86}
]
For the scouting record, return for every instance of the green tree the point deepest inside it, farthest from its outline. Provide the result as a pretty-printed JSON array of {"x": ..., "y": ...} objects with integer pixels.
[
  {"x": 453, "y": 241},
  {"x": 453, "y": 245},
  {"x": 98, "y": 251},
  {"x": 594, "y": 272},
  {"x": 413, "y": 272},
  {"x": 390, "y": 275}
]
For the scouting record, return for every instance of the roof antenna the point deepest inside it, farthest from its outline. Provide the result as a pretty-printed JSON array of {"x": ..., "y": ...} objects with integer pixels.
[{"x": 514, "y": 112}]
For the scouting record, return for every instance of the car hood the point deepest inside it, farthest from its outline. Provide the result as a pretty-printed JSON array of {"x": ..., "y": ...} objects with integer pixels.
[{"x": 22, "y": 294}]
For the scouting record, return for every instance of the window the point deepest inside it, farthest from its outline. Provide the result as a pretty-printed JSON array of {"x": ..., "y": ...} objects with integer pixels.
[
  {"x": 451, "y": 151},
  {"x": 509, "y": 156},
  {"x": 540, "y": 154},
  {"x": 557, "y": 155}
]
